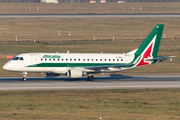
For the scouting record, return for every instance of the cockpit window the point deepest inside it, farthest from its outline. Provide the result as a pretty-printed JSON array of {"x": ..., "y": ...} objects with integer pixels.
[
  {"x": 15, "y": 58},
  {"x": 21, "y": 58}
]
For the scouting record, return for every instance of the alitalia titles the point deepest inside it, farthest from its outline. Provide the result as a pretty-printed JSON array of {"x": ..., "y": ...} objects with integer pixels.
[{"x": 51, "y": 56}]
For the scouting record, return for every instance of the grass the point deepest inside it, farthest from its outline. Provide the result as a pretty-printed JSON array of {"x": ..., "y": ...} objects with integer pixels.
[
  {"x": 138, "y": 104},
  {"x": 87, "y": 8},
  {"x": 46, "y": 29}
]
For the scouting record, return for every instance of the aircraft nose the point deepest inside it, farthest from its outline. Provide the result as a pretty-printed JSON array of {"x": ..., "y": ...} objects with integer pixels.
[{"x": 7, "y": 66}]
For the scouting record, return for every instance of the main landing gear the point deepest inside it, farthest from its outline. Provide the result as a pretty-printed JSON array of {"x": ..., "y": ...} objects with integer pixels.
[
  {"x": 90, "y": 78},
  {"x": 24, "y": 76}
]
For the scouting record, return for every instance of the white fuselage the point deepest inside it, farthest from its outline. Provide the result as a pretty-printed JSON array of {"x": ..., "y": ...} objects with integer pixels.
[{"x": 60, "y": 63}]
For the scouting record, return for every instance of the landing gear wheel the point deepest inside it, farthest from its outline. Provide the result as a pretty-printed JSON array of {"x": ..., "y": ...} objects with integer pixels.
[
  {"x": 24, "y": 78},
  {"x": 90, "y": 78}
]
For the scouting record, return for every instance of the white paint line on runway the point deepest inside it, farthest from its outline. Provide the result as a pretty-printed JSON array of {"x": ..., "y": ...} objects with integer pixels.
[{"x": 88, "y": 87}]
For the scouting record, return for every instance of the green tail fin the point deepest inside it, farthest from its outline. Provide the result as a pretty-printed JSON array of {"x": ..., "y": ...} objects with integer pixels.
[{"x": 153, "y": 40}]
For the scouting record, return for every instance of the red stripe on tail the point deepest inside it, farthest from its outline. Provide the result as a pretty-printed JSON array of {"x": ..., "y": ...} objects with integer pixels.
[{"x": 146, "y": 55}]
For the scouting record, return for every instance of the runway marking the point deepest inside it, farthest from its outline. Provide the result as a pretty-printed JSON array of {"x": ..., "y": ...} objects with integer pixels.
[{"x": 88, "y": 87}]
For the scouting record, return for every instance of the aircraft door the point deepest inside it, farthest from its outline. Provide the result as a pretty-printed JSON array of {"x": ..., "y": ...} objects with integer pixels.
[
  {"x": 127, "y": 57},
  {"x": 33, "y": 59}
]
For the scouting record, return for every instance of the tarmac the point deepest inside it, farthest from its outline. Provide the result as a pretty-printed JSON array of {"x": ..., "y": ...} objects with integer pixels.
[{"x": 101, "y": 82}]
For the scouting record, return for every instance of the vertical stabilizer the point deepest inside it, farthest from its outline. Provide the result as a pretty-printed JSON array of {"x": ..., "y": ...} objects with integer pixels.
[
  {"x": 154, "y": 39},
  {"x": 149, "y": 48}
]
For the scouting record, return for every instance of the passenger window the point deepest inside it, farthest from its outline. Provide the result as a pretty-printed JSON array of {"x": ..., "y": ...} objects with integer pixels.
[
  {"x": 113, "y": 59},
  {"x": 70, "y": 59},
  {"x": 62, "y": 59},
  {"x": 121, "y": 59},
  {"x": 92, "y": 59},
  {"x": 109, "y": 59},
  {"x": 49, "y": 59},
  {"x": 41, "y": 59},
  {"x": 87, "y": 59},
  {"x": 78, "y": 59},
  {"x": 117, "y": 59},
  {"x": 45, "y": 59},
  {"x": 83, "y": 59},
  {"x": 100, "y": 59},
  {"x": 96, "y": 59},
  {"x": 74, "y": 59},
  {"x": 104, "y": 59},
  {"x": 66, "y": 59},
  {"x": 58, "y": 59},
  {"x": 54, "y": 59}
]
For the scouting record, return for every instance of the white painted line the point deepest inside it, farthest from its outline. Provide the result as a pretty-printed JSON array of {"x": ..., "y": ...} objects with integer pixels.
[{"x": 89, "y": 87}]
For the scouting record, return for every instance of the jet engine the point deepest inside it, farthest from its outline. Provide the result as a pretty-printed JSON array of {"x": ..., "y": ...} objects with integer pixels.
[{"x": 75, "y": 73}]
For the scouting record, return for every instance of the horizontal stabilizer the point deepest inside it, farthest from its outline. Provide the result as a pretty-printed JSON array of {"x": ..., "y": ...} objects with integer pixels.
[{"x": 159, "y": 59}]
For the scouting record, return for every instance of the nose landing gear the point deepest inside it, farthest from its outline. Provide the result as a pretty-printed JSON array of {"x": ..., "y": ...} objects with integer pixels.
[{"x": 24, "y": 76}]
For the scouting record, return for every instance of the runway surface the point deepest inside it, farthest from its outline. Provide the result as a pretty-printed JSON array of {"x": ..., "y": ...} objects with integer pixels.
[
  {"x": 101, "y": 82},
  {"x": 88, "y": 15}
]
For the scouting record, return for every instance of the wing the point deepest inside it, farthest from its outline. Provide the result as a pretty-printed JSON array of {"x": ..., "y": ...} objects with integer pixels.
[{"x": 105, "y": 66}]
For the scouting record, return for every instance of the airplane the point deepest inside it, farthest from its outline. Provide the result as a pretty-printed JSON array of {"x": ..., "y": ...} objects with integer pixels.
[{"x": 77, "y": 65}]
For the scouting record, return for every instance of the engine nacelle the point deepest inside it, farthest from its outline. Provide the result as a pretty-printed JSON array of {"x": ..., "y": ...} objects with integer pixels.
[
  {"x": 75, "y": 73},
  {"x": 49, "y": 74}
]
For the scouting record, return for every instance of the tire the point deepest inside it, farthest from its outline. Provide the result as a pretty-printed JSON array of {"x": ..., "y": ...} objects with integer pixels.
[
  {"x": 88, "y": 78},
  {"x": 24, "y": 79},
  {"x": 91, "y": 78}
]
